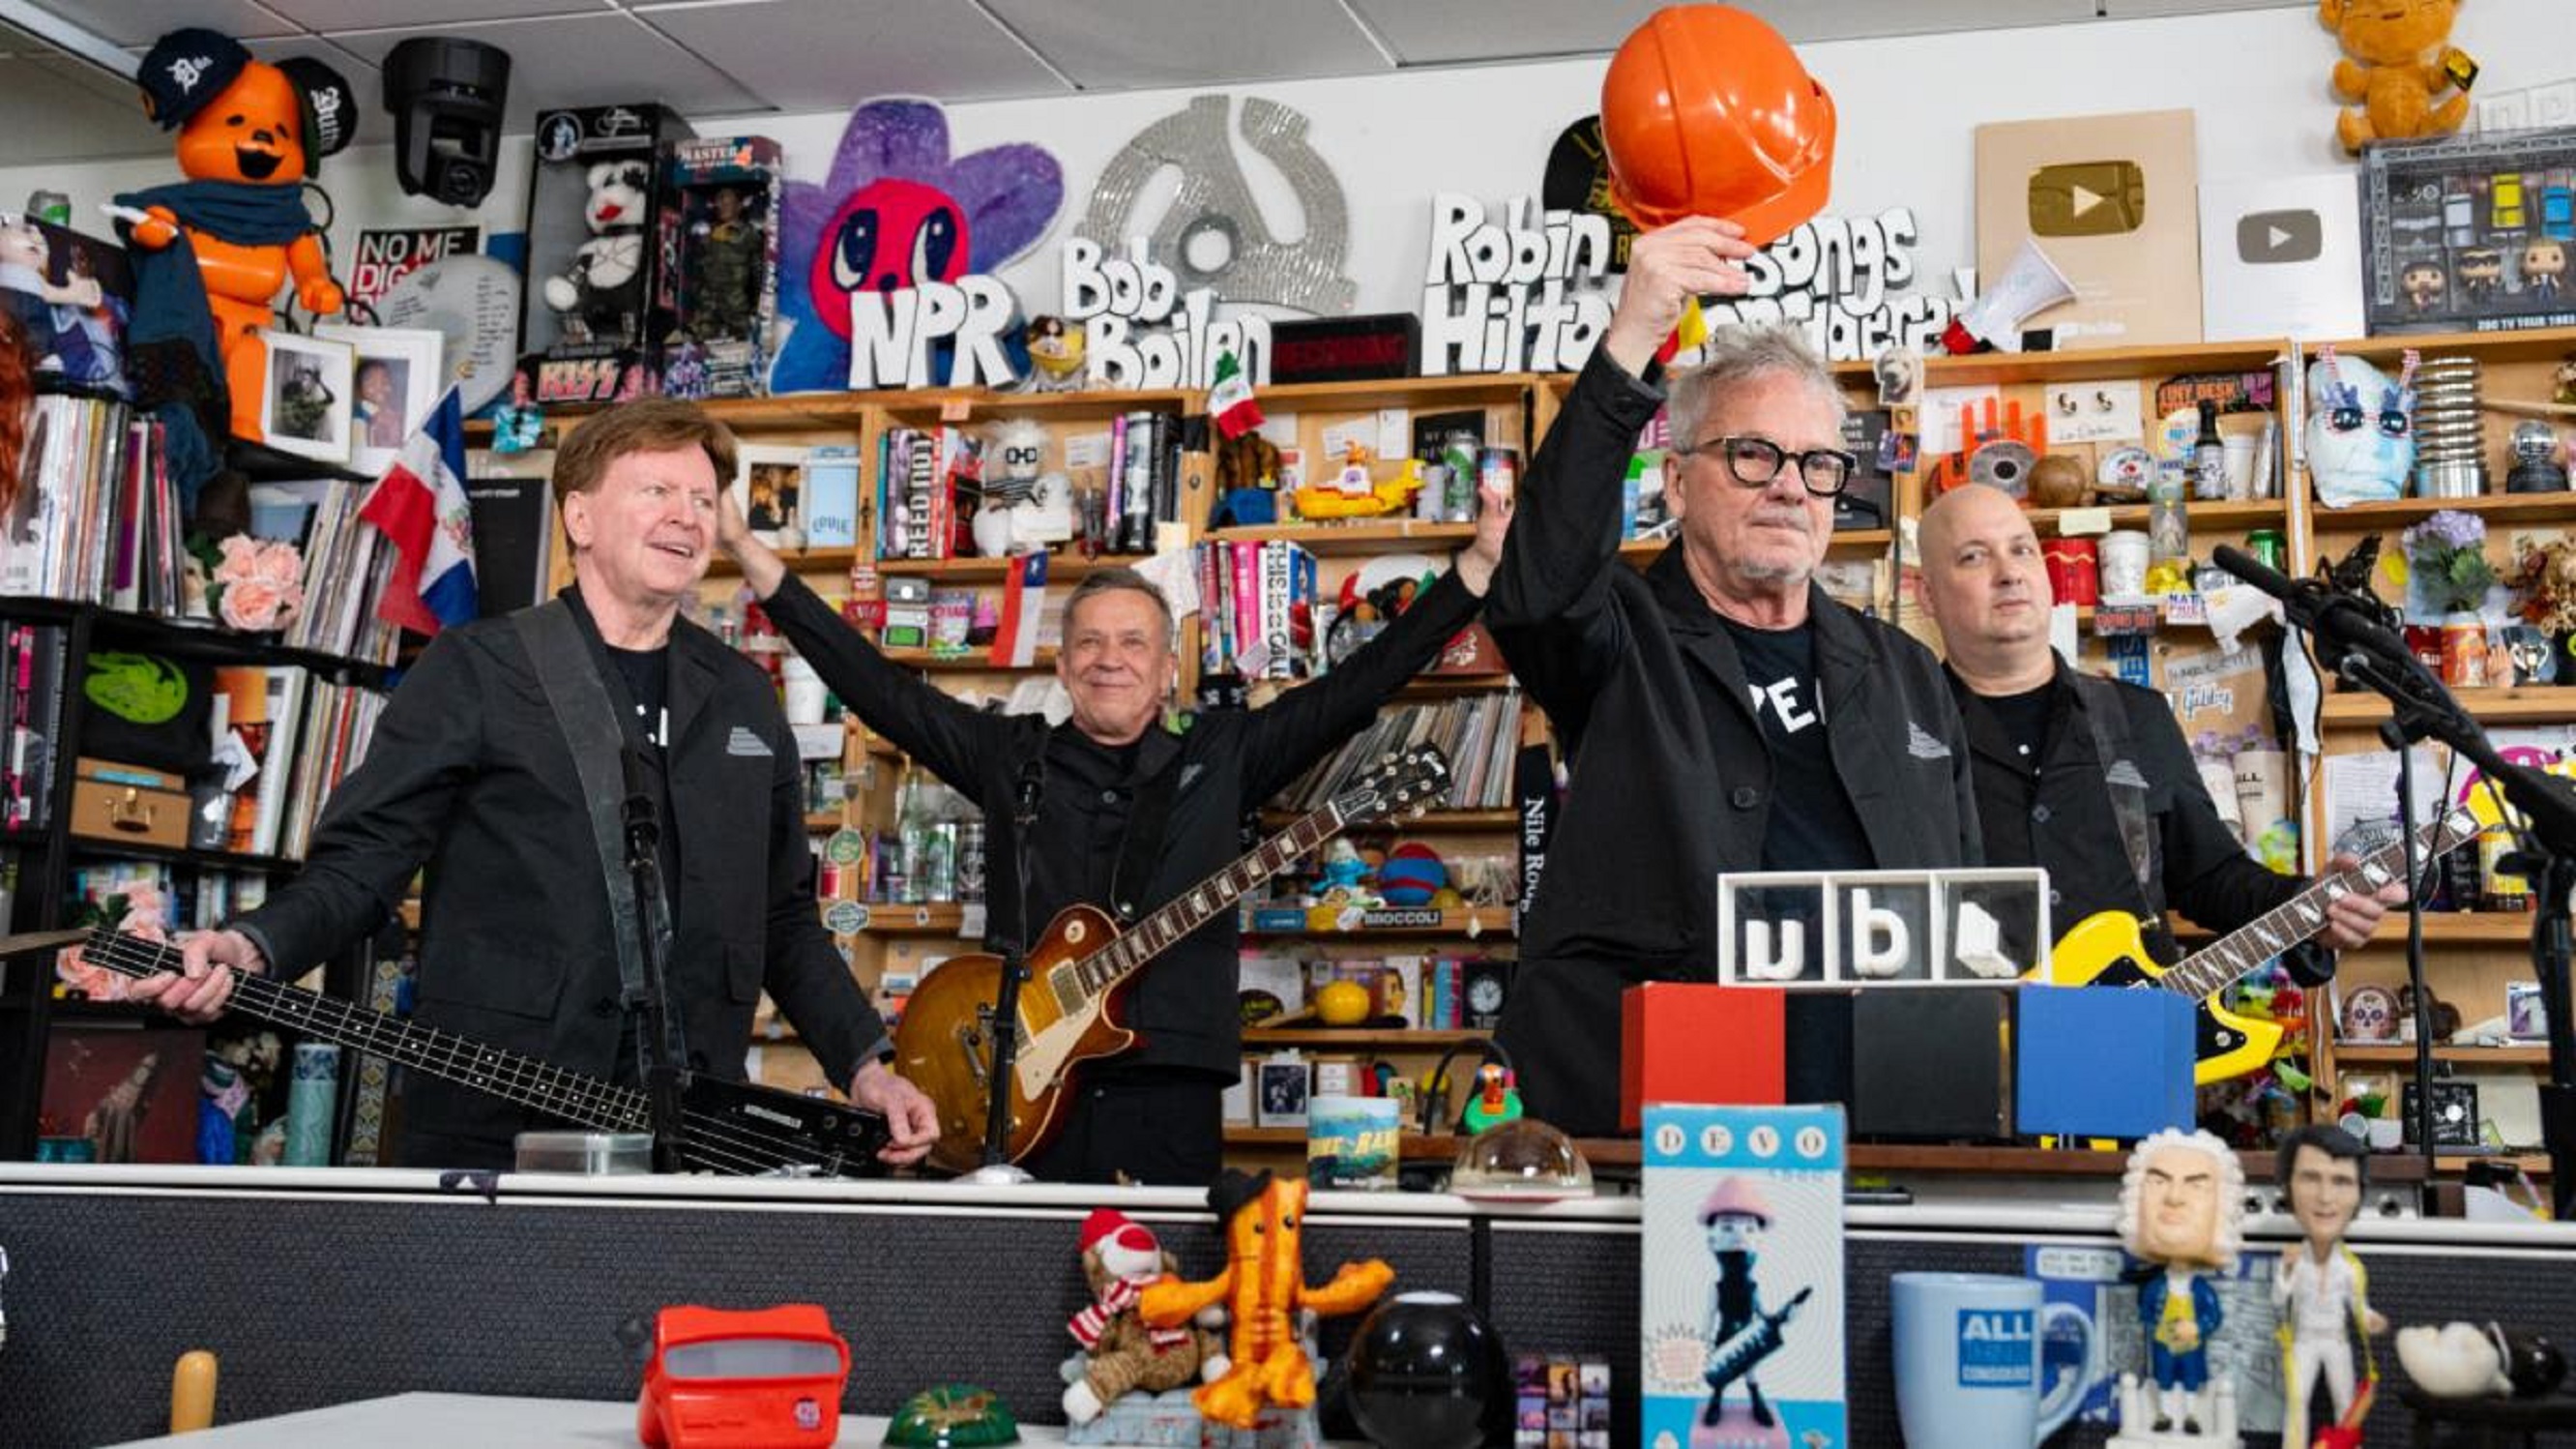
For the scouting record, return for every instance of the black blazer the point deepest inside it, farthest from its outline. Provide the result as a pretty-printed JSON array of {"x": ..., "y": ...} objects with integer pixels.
[
  {"x": 1663, "y": 795},
  {"x": 468, "y": 775}
]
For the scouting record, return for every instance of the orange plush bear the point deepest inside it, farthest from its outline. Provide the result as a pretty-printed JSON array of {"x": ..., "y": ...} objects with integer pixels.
[
  {"x": 249, "y": 135},
  {"x": 2396, "y": 64}
]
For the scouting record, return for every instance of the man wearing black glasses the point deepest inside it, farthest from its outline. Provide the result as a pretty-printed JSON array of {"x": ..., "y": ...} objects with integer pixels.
[{"x": 1717, "y": 712}]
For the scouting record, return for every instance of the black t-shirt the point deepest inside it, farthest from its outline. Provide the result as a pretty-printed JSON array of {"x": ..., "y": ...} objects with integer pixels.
[
  {"x": 647, "y": 673},
  {"x": 1811, "y": 825},
  {"x": 2022, "y": 720}
]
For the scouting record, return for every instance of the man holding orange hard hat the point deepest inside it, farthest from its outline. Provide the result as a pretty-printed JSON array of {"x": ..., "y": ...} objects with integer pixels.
[{"x": 1717, "y": 712}]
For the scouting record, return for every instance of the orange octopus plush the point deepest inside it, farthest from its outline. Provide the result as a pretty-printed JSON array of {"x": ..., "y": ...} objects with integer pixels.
[
  {"x": 1263, "y": 1289},
  {"x": 249, "y": 135}
]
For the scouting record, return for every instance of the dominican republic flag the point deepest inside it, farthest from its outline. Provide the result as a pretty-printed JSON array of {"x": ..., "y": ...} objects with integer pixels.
[
  {"x": 1230, "y": 399},
  {"x": 1015, "y": 643},
  {"x": 419, "y": 506}
]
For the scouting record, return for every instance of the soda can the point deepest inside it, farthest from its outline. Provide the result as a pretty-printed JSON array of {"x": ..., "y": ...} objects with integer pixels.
[
  {"x": 51, "y": 206},
  {"x": 827, "y": 879},
  {"x": 2268, "y": 545},
  {"x": 1499, "y": 469},
  {"x": 970, "y": 861}
]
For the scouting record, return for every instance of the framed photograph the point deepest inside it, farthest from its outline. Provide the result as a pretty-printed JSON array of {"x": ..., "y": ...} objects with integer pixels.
[
  {"x": 306, "y": 405},
  {"x": 769, "y": 488},
  {"x": 131, "y": 1093},
  {"x": 396, "y": 379},
  {"x": 1285, "y": 1082},
  {"x": 2525, "y": 1018}
]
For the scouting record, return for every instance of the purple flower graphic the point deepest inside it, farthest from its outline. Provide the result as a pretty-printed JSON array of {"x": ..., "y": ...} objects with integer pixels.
[{"x": 895, "y": 210}]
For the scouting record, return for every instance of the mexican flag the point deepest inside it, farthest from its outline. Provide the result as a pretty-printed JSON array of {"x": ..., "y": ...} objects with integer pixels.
[{"x": 1230, "y": 399}]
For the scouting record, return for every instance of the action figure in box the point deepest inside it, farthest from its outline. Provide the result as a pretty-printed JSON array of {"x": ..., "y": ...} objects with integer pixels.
[
  {"x": 2181, "y": 1207},
  {"x": 721, "y": 256},
  {"x": 1120, "y": 1387},
  {"x": 2321, "y": 1290},
  {"x": 1263, "y": 1290},
  {"x": 1740, "y": 1333}
]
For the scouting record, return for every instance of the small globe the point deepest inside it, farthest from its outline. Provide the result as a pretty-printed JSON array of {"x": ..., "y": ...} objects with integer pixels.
[
  {"x": 1522, "y": 1158},
  {"x": 1426, "y": 1373}
]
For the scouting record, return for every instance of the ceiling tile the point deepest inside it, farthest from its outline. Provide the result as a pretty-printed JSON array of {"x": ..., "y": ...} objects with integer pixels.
[
  {"x": 1120, "y": 44},
  {"x": 587, "y": 61},
  {"x": 827, "y": 55},
  {"x": 138, "y": 23},
  {"x": 331, "y": 15},
  {"x": 1435, "y": 32}
]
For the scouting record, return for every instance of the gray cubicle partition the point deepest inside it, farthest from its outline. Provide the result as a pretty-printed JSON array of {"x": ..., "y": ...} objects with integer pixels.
[{"x": 317, "y": 1288}]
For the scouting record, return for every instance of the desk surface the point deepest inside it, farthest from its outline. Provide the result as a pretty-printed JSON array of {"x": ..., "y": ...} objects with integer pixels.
[{"x": 441, "y": 1421}]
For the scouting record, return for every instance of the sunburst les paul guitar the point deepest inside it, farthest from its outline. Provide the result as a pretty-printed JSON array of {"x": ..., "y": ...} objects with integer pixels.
[
  {"x": 1081, "y": 968},
  {"x": 2108, "y": 949},
  {"x": 738, "y": 1128}
]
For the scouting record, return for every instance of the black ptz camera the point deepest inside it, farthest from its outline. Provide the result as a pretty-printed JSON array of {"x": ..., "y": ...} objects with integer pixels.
[{"x": 447, "y": 97}]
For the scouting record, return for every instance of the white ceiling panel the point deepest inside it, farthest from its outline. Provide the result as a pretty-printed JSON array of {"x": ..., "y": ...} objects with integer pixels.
[
  {"x": 845, "y": 51},
  {"x": 587, "y": 61},
  {"x": 2144, "y": 9},
  {"x": 1120, "y": 45},
  {"x": 329, "y": 15},
  {"x": 138, "y": 23},
  {"x": 1449, "y": 32}
]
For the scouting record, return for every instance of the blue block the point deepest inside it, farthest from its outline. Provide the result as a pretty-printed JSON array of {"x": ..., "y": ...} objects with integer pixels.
[{"x": 2101, "y": 1061}]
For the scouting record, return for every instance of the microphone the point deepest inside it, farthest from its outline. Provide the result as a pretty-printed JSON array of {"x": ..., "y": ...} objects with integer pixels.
[{"x": 2341, "y": 626}]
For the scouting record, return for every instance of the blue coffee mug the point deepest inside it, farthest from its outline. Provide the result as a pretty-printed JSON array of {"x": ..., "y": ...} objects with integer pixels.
[{"x": 1968, "y": 1370}]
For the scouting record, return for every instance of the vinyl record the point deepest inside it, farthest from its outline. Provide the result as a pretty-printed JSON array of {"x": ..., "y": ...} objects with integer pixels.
[
  {"x": 1578, "y": 179},
  {"x": 472, "y": 301},
  {"x": 2004, "y": 463}
]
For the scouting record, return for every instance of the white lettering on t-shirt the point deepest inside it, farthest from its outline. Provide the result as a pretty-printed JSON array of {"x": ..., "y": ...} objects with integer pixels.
[{"x": 1786, "y": 707}]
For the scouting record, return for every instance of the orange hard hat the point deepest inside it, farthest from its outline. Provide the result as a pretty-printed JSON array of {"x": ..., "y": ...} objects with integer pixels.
[{"x": 1706, "y": 111}]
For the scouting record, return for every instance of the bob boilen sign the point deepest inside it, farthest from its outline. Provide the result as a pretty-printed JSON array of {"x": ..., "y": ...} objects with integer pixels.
[
  {"x": 1139, "y": 330},
  {"x": 1530, "y": 290}
]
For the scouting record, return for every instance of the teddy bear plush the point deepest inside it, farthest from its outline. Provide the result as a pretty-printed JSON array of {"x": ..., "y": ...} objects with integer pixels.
[
  {"x": 1120, "y": 1355},
  {"x": 602, "y": 293},
  {"x": 2395, "y": 63}
]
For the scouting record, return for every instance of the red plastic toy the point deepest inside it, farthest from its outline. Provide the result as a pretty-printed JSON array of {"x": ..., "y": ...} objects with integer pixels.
[{"x": 727, "y": 1379}]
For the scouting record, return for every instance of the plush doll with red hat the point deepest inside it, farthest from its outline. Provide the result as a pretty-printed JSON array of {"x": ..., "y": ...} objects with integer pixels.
[
  {"x": 211, "y": 252},
  {"x": 1120, "y": 1355}
]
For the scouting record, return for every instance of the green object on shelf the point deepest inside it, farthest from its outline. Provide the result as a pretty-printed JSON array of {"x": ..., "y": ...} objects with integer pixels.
[{"x": 953, "y": 1416}]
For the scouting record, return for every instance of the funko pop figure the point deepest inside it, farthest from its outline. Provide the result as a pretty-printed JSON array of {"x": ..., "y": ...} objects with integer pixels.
[
  {"x": 2424, "y": 283},
  {"x": 2481, "y": 271},
  {"x": 2544, "y": 268}
]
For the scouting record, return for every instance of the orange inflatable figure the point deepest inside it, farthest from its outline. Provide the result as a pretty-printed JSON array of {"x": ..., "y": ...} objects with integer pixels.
[
  {"x": 249, "y": 135},
  {"x": 1263, "y": 1289}
]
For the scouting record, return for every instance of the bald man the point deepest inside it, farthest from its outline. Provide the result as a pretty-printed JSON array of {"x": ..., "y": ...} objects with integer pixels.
[{"x": 2071, "y": 769}]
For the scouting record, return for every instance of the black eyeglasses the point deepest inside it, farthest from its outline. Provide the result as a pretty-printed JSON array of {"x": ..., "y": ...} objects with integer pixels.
[{"x": 1756, "y": 461}]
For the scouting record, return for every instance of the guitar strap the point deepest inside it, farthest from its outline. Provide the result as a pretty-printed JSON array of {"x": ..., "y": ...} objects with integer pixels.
[
  {"x": 575, "y": 686},
  {"x": 2101, "y": 703}
]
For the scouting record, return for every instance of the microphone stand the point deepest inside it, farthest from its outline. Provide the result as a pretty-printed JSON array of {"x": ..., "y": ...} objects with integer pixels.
[
  {"x": 655, "y": 1048},
  {"x": 2366, "y": 652},
  {"x": 2352, "y": 640},
  {"x": 997, "y": 1166}
]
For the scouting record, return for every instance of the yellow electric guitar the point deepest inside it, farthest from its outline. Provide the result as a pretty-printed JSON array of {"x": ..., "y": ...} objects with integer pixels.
[{"x": 2109, "y": 950}]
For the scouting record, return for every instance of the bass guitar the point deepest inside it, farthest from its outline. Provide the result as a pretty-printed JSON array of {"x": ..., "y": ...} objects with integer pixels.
[
  {"x": 2108, "y": 949},
  {"x": 737, "y": 1128},
  {"x": 1079, "y": 970}
]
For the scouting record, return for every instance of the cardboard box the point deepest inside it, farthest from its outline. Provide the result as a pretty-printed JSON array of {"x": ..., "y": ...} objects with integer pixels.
[
  {"x": 128, "y": 803},
  {"x": 591, "y": 277},
  {"x": 2114, "y": 202},
  {"x": 1770, "y": 1178},
  {"x": 716, "y": 306},
  {"x": 2092, "y": 1062},
  {"x": 1666, "y": 1029}
]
